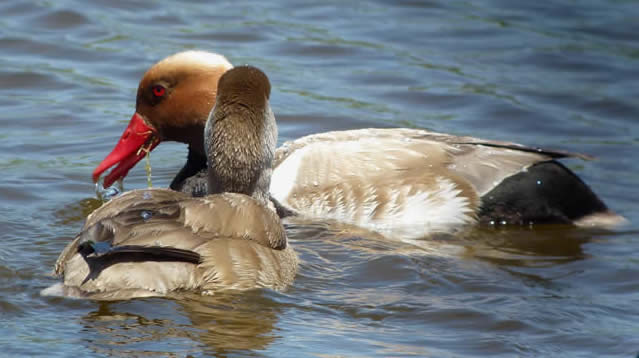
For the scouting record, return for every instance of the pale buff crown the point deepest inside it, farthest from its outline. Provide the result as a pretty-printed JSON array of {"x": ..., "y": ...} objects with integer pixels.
[{"x": 197, "y": 58}]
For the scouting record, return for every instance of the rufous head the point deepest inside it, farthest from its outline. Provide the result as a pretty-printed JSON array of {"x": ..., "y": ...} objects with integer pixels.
[{"x": 173, "y": 102}]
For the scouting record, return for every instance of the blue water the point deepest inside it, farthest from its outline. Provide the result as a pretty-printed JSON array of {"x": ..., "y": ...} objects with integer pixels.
[{"x": 554, "y": 74}]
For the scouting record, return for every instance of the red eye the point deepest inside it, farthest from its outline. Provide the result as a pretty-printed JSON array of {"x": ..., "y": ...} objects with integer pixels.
[{"x": 158, "y": 90}]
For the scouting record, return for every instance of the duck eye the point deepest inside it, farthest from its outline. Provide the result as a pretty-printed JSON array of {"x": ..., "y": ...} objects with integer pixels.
[{"x": 158, "y": 90}]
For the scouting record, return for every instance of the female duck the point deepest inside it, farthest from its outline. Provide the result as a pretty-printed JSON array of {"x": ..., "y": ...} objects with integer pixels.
[{"x": 151, "y": 242}]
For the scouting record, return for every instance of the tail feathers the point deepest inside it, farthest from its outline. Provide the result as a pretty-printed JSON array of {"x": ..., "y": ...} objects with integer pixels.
[
  {"x": 546, "y": 192},
  {"x": 552, "y": 153},
  {"x": 99, "y": 258}
]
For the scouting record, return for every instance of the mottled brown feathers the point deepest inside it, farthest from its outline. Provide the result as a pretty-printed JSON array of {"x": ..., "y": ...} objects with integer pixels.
[
  {"x": 150, "y": 242},
  {"x": 241, "y": 135}
]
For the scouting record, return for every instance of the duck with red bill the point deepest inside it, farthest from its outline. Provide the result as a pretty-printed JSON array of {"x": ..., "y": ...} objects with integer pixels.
[
  {"x": 403, "y": 183},
  {"x": 138, "y": 139}
]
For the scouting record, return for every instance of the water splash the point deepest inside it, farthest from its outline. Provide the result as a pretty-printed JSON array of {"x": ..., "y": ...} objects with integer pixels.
[{"x": 106, "y": 194}]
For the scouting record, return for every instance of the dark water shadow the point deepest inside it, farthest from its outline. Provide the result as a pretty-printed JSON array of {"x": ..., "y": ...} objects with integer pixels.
[
  {"x": 523, "y": 246},
  {"x": 543, "y": 255},
  {"x": 76, "y": 211}
]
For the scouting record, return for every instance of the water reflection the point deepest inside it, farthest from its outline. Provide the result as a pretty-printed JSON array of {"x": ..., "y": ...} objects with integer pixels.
[
  {"x": 535, "y": 246},
  {"x": 234, "y": 322},
  {"x": 221, "y": 324},
  {"x": 76, "y": 211},
  {"x": 541, "y": 245}
]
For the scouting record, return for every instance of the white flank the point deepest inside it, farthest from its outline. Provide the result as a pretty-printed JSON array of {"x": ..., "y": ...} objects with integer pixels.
[
  {"x": 440, "y": 209},
  {"x": 405, "y": 217},
  {"x": 334, "y": 181}
]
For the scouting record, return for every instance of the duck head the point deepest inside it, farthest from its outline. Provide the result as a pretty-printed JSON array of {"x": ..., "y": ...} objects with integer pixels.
[{"x": 173, "y": 101}]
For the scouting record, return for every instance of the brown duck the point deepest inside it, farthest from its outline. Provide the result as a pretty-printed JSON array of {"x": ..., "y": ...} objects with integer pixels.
[{"x": 155, "y": 241}]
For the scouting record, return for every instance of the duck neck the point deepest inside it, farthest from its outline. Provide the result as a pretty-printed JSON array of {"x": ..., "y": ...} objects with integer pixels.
[
  {"x": 240, "y": 146},
  {"x": 195, "y": 163},
  {"x": 188, "y": 134}
]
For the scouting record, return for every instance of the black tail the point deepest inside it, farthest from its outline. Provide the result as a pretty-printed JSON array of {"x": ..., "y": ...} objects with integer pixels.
[{"x": 547, "y": 192}]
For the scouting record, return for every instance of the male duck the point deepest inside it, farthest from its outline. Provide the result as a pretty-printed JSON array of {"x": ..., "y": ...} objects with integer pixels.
[{"x": 404, "y": 183}]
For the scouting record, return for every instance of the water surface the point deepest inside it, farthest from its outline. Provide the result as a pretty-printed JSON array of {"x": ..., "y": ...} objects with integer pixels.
[{"x": 554, "y": 74}]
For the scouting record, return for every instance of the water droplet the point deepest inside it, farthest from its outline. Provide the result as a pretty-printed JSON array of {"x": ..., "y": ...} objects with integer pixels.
[
  {"x": 106, "y": 194},
  {"x": 146, "y": 215},
  {"x": 111, "y": 192},
  {"x": 503, "y": 222},
  {"x": 538, "y": 182},
  {"x": 492, "y": 222}
]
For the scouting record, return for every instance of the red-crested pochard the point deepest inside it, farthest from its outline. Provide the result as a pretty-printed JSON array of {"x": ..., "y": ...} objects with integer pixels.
[
  {"x": 404, "y": 183},
  {"x": 154, "y": 241}
]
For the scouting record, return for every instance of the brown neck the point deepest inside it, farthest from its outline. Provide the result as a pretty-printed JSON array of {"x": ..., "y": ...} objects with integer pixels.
[{"x": 240, "y": 153}]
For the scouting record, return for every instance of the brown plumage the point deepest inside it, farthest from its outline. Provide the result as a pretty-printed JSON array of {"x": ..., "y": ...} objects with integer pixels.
[
  {"x": 236, "y": 165},
  {"x": 151, "y": 242}
]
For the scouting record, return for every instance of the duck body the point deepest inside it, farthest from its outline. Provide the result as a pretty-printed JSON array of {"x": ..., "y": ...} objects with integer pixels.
[
  {"x": 156, "y": 241},
  {"x": 409, "y": 183},
  {"x": 404, "y": 183},
  {"x": 176, "y": 242}
]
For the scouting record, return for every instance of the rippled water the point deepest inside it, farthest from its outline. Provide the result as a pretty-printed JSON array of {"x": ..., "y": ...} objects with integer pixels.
[{"x": 555, "y": 73}]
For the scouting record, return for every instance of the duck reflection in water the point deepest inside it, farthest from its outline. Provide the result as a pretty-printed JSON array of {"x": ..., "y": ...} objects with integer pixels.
[{"x": 222, "y": 324}]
